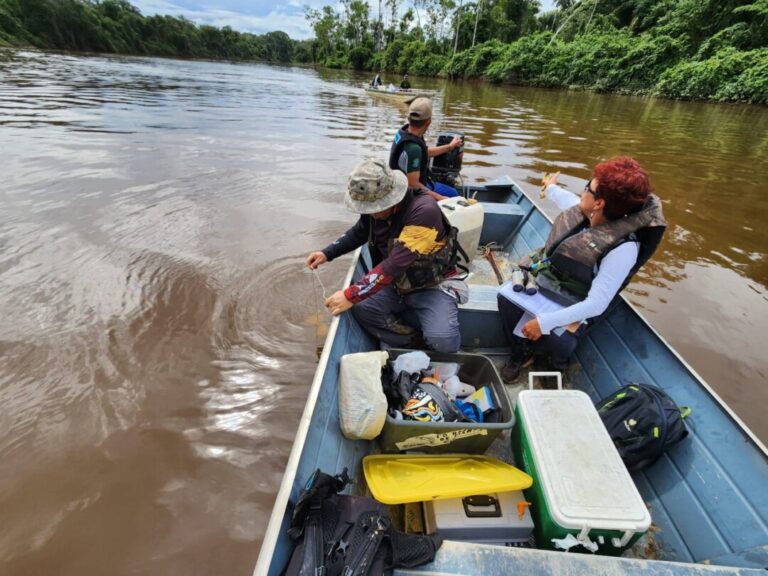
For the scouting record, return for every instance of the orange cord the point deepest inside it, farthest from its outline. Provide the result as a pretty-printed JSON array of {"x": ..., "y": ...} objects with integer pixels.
[{"x": 521, "y": 506}]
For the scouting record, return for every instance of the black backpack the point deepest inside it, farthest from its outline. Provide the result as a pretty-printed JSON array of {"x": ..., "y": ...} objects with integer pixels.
[
  {"x": 338, "y": 534},
  {"x": 642, "y": 421}
]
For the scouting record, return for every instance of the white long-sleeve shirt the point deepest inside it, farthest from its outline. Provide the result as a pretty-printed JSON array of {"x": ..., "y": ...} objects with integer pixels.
[{"x": 609, "y": 275}]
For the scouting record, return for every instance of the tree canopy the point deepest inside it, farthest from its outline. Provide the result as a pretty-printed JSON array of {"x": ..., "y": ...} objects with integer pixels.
[
  {"x": 696, "y": 49},
  {"x": 118, "y": 26}
]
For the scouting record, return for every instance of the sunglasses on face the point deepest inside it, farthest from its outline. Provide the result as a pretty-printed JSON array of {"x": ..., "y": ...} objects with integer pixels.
[{"x": 588, "y": 189}]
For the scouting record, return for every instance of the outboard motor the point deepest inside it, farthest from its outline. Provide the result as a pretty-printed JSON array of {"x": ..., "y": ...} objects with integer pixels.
[{"x": 446, "y": 167}]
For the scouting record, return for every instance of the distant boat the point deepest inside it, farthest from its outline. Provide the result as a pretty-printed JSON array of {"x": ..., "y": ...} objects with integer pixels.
[
  {"x": 707, "y": 495},
  {"x": 399, "y": 94}
]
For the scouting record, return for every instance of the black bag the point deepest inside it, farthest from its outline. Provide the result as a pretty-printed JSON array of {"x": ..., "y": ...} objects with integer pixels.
[
  {"x": 642, "y": 421},
  {"x": 339, "y": 534}
]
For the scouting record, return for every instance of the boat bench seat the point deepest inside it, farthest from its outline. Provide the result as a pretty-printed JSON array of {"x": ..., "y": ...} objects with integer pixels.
[
  {"x": 499, "y": 221},
  {"x": 481, "y": 298},
  {"x": 479, "y": 318}
]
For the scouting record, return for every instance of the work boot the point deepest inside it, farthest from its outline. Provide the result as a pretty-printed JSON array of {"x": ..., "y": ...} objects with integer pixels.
[{"x": 511, "y": 370}]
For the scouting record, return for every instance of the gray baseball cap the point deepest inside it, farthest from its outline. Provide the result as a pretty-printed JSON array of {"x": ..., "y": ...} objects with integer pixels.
[
  {"x": 374, "y": 187},
  {"x": 420, "y": 109}
]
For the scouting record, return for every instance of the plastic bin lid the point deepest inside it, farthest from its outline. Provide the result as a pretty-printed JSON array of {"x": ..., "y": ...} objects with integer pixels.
[
  {"x": 578, "y": 467},
  {"x": 398, "y": 479}
]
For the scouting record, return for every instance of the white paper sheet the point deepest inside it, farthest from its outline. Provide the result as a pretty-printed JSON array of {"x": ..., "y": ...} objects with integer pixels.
[{"x": 533, "y": 306}]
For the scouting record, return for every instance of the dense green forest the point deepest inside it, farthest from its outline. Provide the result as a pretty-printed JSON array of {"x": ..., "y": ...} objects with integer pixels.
[
  {"x": 691, "y": 49},
  {"x": 688, "y": 49},
  {"x": 117, "y": 26}
]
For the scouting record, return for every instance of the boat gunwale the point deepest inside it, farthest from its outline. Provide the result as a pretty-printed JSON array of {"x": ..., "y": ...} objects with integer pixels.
[
  {"x": 263, "y": 562},
  {"x": 401, "y": 95}
]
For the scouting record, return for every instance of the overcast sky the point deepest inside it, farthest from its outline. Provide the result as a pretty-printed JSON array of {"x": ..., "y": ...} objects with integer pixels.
[{"x": 256, "y": 16}]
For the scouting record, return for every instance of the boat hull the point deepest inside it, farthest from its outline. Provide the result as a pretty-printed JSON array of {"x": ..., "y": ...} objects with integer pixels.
[
  {"x": 706, "y": 494},
  {"x": 404, "y": 96}
]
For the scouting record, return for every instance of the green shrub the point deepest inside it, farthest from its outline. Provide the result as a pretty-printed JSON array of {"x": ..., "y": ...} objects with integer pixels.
[
  {"x": 336, "y": 61},
  {"x": 736, "y": 36},
  {"x": 303, "y": 52},
  {"x": 360, "y": 57},
  {"x": 474, "y": 62},
  {"x": 593, "y": 59},
  {"x": 413, "y": 57},
  {"x": 752, "y": 84},
  {"x": 429, "y": 64},
  {"x": 392, "y": 53},
  {"x": 725, "y": 76},
  {"x": 647, "y": 58},
  {"x": 458, "y": 65},
  {"x": 523, "y": 61}
]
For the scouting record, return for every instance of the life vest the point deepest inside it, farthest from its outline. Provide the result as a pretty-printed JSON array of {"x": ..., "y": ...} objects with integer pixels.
[
  {"x": 565, "y": 266},
  {"x": 396, "y": 150},
  {"x": 427, "y": 270}
]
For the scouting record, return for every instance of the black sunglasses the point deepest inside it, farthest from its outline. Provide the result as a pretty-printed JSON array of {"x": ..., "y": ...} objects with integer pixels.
[{"x": 588, "y": 189}]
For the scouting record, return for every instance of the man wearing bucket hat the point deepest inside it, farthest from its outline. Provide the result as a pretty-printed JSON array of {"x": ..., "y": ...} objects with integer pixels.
[
  {"x": 411, "y": 295},
  {"x": 410, "y": 154}
]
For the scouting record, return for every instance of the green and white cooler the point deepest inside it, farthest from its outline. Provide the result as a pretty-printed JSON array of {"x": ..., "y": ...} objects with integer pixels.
[{"x": 580, "y": 484}]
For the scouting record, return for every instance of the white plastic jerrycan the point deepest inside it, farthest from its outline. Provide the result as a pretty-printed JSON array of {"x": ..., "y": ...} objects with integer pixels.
[{"x": 467, "y": 216}]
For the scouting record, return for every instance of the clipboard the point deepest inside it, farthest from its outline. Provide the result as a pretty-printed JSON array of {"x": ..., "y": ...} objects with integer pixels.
[{"x": 533, "y": 306}]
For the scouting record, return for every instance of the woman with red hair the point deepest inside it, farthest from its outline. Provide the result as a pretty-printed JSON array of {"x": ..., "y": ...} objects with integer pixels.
[{"x": 596, "y": 244}]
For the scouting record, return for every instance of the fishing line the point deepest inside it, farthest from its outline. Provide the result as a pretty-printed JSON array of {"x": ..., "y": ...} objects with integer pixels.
[
  {"x": 318, "y": 337},
  {"x": 319, "y": 281}
]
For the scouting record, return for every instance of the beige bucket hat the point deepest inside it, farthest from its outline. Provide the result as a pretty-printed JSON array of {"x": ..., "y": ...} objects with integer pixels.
[{"x": 374, "y": 187}]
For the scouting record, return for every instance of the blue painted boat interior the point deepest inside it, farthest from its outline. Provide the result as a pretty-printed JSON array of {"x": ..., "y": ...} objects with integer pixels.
[{"x": 708, "y": 495}]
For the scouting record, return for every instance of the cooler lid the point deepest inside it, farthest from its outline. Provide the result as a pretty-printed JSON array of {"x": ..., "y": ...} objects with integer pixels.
[
  {"x": 401, "y": 478},
  {"x": 581, "y": 473}
]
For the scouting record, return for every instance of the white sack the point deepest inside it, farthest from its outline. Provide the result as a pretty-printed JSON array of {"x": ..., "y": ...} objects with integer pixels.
[{"x": 362, "y": 404}]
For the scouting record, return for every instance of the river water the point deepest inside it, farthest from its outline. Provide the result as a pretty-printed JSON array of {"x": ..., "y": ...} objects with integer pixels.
[{"x": 158, "y": 330}]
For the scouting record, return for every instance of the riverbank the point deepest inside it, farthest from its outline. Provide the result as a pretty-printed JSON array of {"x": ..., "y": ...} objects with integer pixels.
[{"x": 605, "y": 61}]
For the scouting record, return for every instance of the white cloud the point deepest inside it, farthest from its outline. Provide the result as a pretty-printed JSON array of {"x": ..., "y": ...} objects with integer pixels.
[
  {"x": 295, "y": 25},
  {"x": 246, "y": 16},
  {"x": 289, "y": 18}
]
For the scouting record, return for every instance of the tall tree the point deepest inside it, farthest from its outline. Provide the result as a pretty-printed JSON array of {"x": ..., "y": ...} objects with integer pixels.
[
  {"x": 324, "y": 23},
  {"x": 478, "y": 9},
  {"x": 458, "y": 26}
]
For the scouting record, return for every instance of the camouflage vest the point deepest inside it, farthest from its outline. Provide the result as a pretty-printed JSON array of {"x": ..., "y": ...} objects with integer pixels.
[
  {"x": 566, "y": 264},
  {"x": 427, "y": 270}
]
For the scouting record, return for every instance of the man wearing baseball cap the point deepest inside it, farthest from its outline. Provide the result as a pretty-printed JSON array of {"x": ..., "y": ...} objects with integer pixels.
[
  {"x": 414, "y": 252},
  {"x": 410, "y": 154}
]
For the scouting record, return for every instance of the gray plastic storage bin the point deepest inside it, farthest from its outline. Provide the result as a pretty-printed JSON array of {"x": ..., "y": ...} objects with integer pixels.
[
  {"x": 452, "y": 437},
  {"x": 484, "y": 519}
]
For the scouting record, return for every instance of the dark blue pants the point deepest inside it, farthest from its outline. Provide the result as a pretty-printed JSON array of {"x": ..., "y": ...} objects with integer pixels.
[
  {"x": 557, "y": 349},
  {"x": 400, "y": 320},
  {"x": 443, "y": 189}
]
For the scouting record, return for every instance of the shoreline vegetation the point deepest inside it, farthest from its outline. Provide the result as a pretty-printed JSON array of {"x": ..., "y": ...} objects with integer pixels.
[{"x": 681, "y": 49}]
